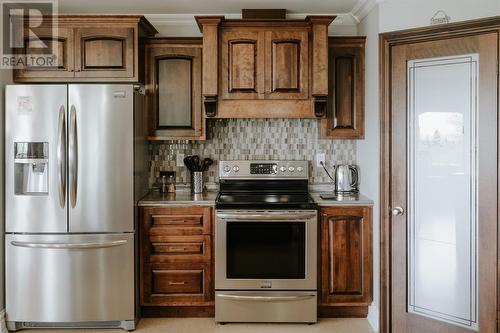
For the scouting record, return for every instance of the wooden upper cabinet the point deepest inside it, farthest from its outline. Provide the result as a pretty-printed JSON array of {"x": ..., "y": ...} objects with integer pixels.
[
  {"x": 345, "y": 115},
  {"x": 89, "y": 48},
  {"x": 242, "y": 65},
  {"x": 173, "y": 94},
  {"x": 61, "y": 45},
  {"x": 287, "y": 75},
  {"x": 265, "y": 68},
  {"x": 345, "y": 256},
  {"x": 104, "y": 52}
]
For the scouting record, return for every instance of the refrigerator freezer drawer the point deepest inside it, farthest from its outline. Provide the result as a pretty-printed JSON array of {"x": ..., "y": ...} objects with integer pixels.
[{"x": 69, "y": 278}]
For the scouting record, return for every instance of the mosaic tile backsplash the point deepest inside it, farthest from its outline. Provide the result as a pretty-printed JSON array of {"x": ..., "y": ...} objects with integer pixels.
[{"x": 252, "y": 139}]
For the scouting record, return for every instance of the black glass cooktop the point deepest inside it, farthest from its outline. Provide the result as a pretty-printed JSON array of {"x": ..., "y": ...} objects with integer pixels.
[{"x": 264, "y": 201}]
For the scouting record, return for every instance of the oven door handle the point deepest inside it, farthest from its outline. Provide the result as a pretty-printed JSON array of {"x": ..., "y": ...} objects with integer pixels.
[
  {"x": 265, "y": 298},
  {"x": 267, "y": 217}
]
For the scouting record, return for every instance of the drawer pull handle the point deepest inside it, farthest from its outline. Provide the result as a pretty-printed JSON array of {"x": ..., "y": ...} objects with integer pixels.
[{"x": 176, "y": 283}]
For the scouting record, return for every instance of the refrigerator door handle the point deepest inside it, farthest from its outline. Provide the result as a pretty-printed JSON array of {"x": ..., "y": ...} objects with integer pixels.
[
  {"x": 73, "y": 157},
  {"x": 68, "y": 245},
  {"x": 61, "y": 155}
]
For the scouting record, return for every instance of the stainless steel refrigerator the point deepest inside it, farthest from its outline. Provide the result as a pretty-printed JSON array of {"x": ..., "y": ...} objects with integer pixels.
[{"x": 75, "y": 167}]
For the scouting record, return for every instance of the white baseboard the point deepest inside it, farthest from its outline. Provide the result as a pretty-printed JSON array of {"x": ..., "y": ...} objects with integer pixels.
[
  {"x": 373, "y": 317},
  {"x": 3, "y": 328}
]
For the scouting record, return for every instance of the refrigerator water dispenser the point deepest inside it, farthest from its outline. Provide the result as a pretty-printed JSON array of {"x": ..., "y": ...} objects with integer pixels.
[{"x": 31, "y": 165}]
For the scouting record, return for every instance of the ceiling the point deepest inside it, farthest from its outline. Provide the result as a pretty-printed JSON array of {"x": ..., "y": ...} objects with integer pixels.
[{"x": 204, "y": 6}]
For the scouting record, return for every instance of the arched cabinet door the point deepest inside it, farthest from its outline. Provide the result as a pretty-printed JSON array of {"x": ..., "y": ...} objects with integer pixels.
[
  {"x": 173, "y": 99},
  {"x": 104, "y": 52},
  {"x": 49, "y": 54}
]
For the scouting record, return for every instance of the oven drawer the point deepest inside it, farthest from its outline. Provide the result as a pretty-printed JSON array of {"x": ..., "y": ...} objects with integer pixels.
[
  {"x": 266, "y": 306},
  {"x": 171, "y": 248},
  {"x": 177, "y": 284}
]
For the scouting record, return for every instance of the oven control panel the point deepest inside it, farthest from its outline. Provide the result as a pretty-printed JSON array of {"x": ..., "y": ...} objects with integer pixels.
[{"x": 264, "y": 169}]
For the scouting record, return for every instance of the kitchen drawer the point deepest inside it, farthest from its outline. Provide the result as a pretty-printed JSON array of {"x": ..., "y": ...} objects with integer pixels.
[
  {"x": 168, "y": 248},
  {"x": 178, "y": 220},
  {"x": 184, "y": 283},
  {"x": 178, "y": 282}
]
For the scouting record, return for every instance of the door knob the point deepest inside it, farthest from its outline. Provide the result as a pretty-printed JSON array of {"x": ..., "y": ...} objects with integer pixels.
[{"x": 398, "y": 211}]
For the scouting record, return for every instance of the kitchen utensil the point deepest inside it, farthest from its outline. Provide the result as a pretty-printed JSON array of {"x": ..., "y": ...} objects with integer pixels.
[
  {"x": 196, "y": 163},
  {"x": 346, "y": 178},
  {"x": 207, "y": 162},
  {"x": 188, "y": 162}
]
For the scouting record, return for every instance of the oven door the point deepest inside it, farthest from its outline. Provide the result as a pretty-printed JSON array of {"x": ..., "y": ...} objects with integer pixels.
[{"x": 258, "y": 250}]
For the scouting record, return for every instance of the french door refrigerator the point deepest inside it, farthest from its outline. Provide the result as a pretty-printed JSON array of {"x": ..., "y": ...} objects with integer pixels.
[{"x": 70, "y": 204}]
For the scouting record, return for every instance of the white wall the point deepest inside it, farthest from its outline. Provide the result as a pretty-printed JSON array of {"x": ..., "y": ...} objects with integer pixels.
[
  {"x": 368, "y": 149},
  {"x": 406, "y": 14},
  {"x": 392, "y": 15}
]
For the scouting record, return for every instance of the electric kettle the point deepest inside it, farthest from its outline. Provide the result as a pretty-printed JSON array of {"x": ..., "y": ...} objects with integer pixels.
[{"x": 346, "y": 178}]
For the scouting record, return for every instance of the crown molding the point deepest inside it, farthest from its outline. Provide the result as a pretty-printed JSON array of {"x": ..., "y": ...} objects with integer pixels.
[
  {"x": 342, "y": 19},
  {"x": 363, "y": 8}
]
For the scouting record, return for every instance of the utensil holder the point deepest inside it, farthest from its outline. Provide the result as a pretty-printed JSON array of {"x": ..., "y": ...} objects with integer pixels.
[{"x": 196, "y": 182}]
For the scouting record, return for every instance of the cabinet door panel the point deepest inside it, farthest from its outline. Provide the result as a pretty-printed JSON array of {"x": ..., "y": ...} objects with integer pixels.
[
  {"x": 346, "y": 257},
  {"x": 104, "y": 52},
  {"x": 287, "y": 65},
  {"x": 60, "y": 45},
  {"x": 346, "y": 254},
  {"x": 174, "y": 102},
  {"x": 242, "y": 65},
  {"x": 242, "y": 56},
  {"x": 175, "y": 92},
  {"x": 345, "y": 111}
]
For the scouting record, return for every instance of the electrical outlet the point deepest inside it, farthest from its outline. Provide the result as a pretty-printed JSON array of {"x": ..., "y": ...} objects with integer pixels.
[
  {"x": 179, "y": 160},
  {"x": 320, "y": 157}
]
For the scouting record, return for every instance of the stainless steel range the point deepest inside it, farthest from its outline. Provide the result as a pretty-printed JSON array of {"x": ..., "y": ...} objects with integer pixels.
[{"x": 266, "y": 239}]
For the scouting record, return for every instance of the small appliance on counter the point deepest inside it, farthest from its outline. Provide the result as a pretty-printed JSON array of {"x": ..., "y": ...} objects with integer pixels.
[
  {"x": 193, "y": 164},
  {"x": 345, "y": 178}
]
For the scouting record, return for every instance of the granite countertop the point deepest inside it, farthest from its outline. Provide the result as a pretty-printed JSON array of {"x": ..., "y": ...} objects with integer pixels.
[
  {"x": 155, "y": 198},
  {"x": 341, "y": 200}
]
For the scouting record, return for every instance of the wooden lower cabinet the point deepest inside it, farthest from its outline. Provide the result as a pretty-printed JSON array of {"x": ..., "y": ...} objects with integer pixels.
[
  {"x": 176, "y": 261},
  {"x": 345, "y": 261}
]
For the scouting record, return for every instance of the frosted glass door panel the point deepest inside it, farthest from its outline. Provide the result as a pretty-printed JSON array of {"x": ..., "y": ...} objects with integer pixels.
[{"x": 442, "y": 187}]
